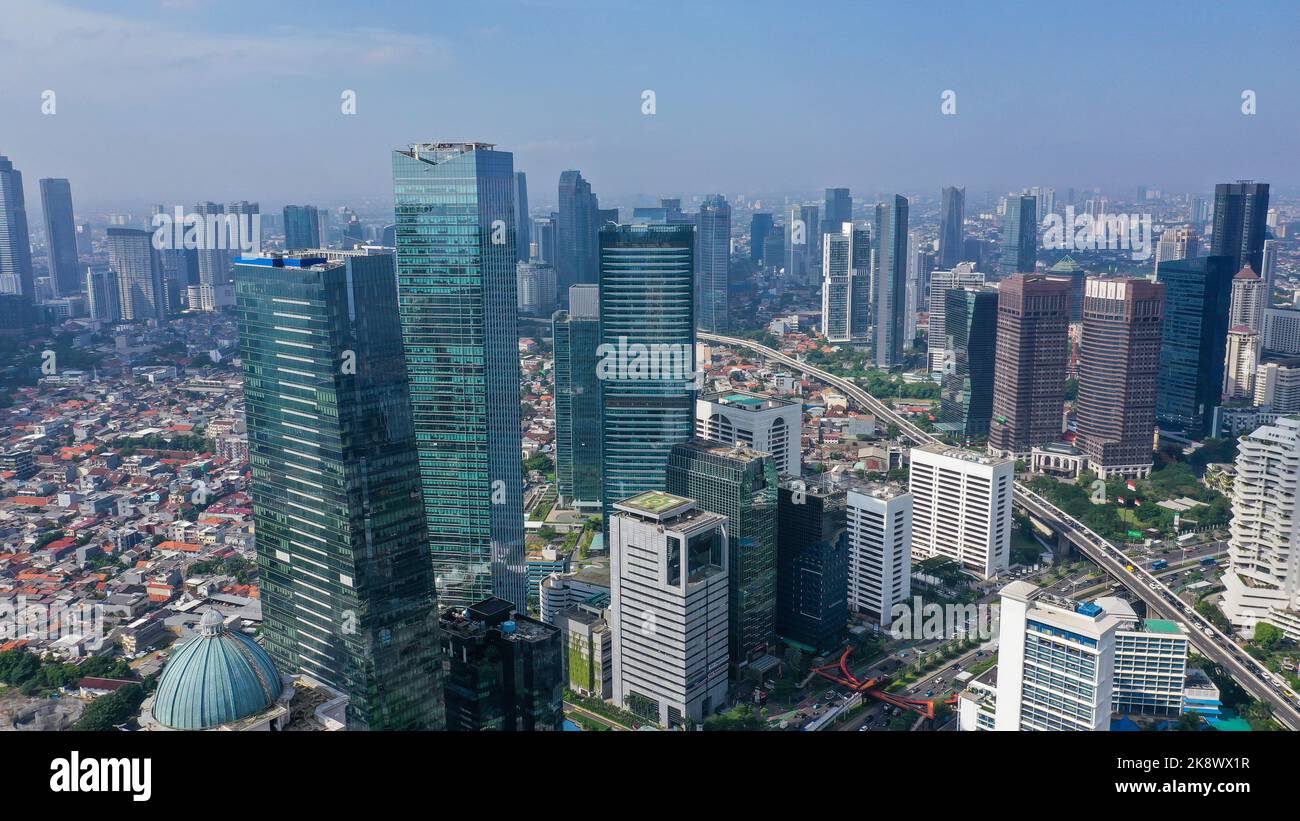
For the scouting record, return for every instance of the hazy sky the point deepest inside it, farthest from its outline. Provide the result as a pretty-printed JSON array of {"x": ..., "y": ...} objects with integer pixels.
[{"x": 178, "y": 101}]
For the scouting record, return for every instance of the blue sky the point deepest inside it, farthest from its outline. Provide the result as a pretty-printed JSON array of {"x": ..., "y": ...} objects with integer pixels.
[{"x": 187, "y": 99}]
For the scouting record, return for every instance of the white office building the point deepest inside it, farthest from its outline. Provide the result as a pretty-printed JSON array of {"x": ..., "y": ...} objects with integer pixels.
[
  {"x": 761, "y": 423},
  {"x": 1263, "y": 578},
  {"x": 879, "y": 523},
  {"x": 846, "y": 284},
  {"x": 668, "y": 609},
  {"x": 1241, "y": 359},
  {"x": 1282, "y": 331},
  {"x": 1277, "y": 386},
  {"x": 1066, "y": 665},
  {"x": 941, "y": 282},
  {"x": 961, "y": 503}
]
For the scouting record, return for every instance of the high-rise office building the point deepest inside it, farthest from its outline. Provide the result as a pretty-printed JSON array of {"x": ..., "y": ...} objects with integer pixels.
[
  {"x": 763, "y": 423},
  {"x": 1240, "y": 211},
  {"x": 741, "y": 484},
  {"x": 578, "y": 394},
  {"x": 837, "y": 210},
  {"x": 544, "y": 247},
  {"x": 302, "y": 227},
  {"x": 1065, "y": 665},
  {"x": 962, "y": 276},
  {"x": 61, "y": 237},
  {"x": 713, "y": 265},
  {"x": 647, "y": 322},
  {"x": 1196, "y": 319},
  {"x": 920, "y": 264},
  {"x": 1277, "y": 386},
  {"x": 1282, "y": 331},
  {"x": 457, "y": 285},
  {"x": 1067, "y": 267},
  {"x": 577, "y": 258},
  {"x": 347, "y": 588},
  {"x": 501, "y": 671},
  {"x": 1263, "y": 579},
  {"x": 1249, "y": 299},
  {"x": 760, "y": 228},
  {"x": 668, "y": 608},
  {"x": 1240, "y": 363},
  {"x": 1177, "y": 242},
  {"x": 880, "y": 550},
  {"x": 15, "y": 242},
  {"x": 139, "y": 274},
  {"x": 952, "y": 220},
  {"x": 103, "y": 292},
  {"x": 889, "y": 242},
  {"x": 1269, "y": 272},
  {"x": 966, "y": 403},
  {"x": 1119, "y": 362},
  {"x": 812, "y": 564},
  {"x": 961, "y": 508},
  {"x": 214, "y": 262},
  {"x": 802, "y": 241},
  {"x": 523, "y": 222},
  {"x": 846, "y": 284},
  {"x": 536, "y": 288},
  {"x": 1029, "y": 369},
  {"x": 1020, "y": 235}
]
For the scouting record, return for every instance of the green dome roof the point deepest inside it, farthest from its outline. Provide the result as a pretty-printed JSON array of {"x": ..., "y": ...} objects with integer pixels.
[{"x": 215, "y": 678}]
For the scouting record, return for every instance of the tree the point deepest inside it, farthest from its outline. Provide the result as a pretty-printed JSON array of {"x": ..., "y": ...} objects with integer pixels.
[
  {"x": 109, "y": 711},
  {"x": 1268, "y": 637}
]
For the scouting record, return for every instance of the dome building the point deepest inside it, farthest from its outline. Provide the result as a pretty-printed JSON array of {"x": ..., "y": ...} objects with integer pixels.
[{"x": 223, "y": 680}]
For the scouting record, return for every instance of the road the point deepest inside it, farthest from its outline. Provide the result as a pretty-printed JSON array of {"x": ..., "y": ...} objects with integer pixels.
[{"x": 1208, "y": 639}]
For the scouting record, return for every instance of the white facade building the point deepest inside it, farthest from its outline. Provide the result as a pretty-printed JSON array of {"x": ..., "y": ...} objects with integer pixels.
[
  {"x": 1277, "y": 386},
  {"x": 668, "y": 609},
  {"x": 1263, "y": 578},
  {"x": 961, "y": 504},
  {"x": 1282, "y": 331},
  {"x": 761, "y": 423},
  {"x": 1241, "y": 358},
  {"x": 1249, "y": 300},
  {"x": 879, "y": 523},
  {"x": 1065, "y": 665}
]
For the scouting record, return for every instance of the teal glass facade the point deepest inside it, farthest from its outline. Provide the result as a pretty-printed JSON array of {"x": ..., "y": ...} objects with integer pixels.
[
  {"x": 457, "y": 296},
  {"x": 576, "y": 333},
  {"x": 346, "y": 586},
  {"x": 647, "y": 353},
  {"x": 1198, "y": 294},
  {"x": 971, "y": 325}
]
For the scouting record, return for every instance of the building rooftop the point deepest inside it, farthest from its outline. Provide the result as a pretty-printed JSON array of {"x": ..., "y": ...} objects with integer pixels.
[
  {"x": 657, "y": 503},
  {"x": 975, "y": 457},
  {"x": 1163, "y": 626},
  {"x": 744, "y": 400}
]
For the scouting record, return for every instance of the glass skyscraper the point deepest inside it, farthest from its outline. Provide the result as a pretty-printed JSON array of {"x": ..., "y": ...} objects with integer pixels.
[
  {"x": 302, "y": 227},
  {"x": 713, "y": 266},
  {"x": 346, "y": 584},
  {"x": 457, "y": 297},
  {"x": 1190, "y": 381},
  {"x": 1240, "y": 214},
  {"x": 15, "y": 243},
  {"x": 576, "y": 226},
  {"x": 578, "y": 399},
  {"x": 952, "y": 231},
  {"x": 971, "y": 330},
  {"x": 1020, "y": 235},
  {"x": 889, "y": 240},
  {"x": 61, "y": 237},
  {"x": 741, "y": 484},
  {"x": 647, "y": 356},
  {"x": 138, "y": 265}
]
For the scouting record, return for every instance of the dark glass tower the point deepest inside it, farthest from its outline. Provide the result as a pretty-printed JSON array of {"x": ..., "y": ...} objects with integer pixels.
[
  {"x": 576, "y": 227},
  {"x": 1020, "y": 235},
  {"x": 61, "y": 237},
  {"x": 1240, "y": 215},
  {"x": 971, "y": 329},
  {"x": 523, "y": 223},
  {"x": 741, "y": 484},
  {"x": 838, "y": 210},
  {"x": 1190, "y": 382},
  {"x": 889, "y": 240},
  {"x": 457, "y": 286},
  {"x": 713, "y": 244},
  {"x": 952, "y": 217},
  {"x": 760, "y": 228},
  {"x": 302, "y": 227},
  {"x": 647, "y": 353},
  {"x": 578, "y": 399},
  {"x": 812, "y": 565},
  {"x": 141, "y": 294},
  {"x": 347, "y": 588},
  {"x": 15, "y": 242}
]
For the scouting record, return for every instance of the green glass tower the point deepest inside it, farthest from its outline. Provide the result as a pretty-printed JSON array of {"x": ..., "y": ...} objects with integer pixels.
[
  {"x": 456, "y": 286},
  {"x": 578, "y": 399},
  {"x": 741, "y": 484},
  {"x": 346, "y": 586},
  {"x": 647, "y": 353}
]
